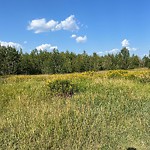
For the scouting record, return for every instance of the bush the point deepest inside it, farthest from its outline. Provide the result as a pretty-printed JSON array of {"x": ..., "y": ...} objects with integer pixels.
[{"x": 63, "y": 87}]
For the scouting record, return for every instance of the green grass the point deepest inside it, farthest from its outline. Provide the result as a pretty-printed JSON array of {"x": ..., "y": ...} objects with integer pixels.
[{"x": 111, "y": 114}]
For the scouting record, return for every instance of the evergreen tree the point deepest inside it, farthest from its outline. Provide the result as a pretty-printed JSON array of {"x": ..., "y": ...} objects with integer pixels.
[
  {"x": 134, "y": 62},
  {"x": 146, "y": 61},
  {"x": 125, "y": 56},
  {"x": 10, "y": 58}
]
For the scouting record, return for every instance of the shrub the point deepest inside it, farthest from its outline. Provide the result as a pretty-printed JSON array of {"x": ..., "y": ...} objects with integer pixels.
[{"x": 63, "y": 87}]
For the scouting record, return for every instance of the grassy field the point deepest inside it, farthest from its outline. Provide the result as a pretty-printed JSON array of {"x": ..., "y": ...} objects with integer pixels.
[{"x": 111, "y": 112}]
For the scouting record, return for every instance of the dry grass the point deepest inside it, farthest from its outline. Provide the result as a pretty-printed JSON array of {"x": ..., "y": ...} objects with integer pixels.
[{"x": 110, "y": 114}]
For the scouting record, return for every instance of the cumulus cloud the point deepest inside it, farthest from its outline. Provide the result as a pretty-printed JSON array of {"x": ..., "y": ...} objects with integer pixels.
[
  {"x": 68, "y": 24},
  {"x": 131, "y": 48},
  {"x": 11, "y": 44},
  {"x": 46, "y": 47},
  {"x": 125, "y": 43},
  {"x": 115, "y": 50},
  {"x": 73, "y": 36},
  {"x": 79, "y": 39},
  {"x": 41, "y": 25}
]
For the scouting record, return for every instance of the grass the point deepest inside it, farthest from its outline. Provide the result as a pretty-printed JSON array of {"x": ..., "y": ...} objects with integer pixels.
[{"x": 110, "y": 114}]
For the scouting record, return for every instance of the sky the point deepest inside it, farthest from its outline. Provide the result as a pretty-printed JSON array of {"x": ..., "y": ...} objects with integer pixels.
[{"x": 101, "y": 26}]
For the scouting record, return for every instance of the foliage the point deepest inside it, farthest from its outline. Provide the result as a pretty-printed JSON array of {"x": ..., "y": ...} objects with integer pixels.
[
  {"x": 146, "y": 61},
  {"x": 125, "y": 56},
  {"x": 63, "y": 87},
  {"x": 44, "y": 62},
  {"x": 9, "y": 60}
]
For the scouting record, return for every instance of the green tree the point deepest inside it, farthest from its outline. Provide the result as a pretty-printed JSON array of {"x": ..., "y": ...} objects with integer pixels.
[
  {"x": 125, "y": 58},
  {"x": 146, "y": 61},
  {"x": 134, "y": 62},
  {"x": 56, "y": 62},
  {"x": 95, "y": 62},
  {"x": 45, "y": 62},
  {"x": 10, "y": 59},
  {"x": 67, "y": 62},
  {"x": 107, "y": 62}
]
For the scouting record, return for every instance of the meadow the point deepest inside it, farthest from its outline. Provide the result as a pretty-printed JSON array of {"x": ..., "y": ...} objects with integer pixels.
[{"x": 110, "y": 112}]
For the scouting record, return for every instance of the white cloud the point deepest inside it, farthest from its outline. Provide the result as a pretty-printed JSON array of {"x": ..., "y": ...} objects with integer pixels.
[
  {"x": 73, "y": 36},
  {"x": 134, "y": 49},
  {"x": 100, "y": 52},
  {"x": 53, "y": 47},
  {"x": 114, "y": 51},
  {"x": 131, "y": 48},
  {"x": 125, "y": 43},
  {"x": 81, "y": 39},
  {"x": 41, "y": 25},
  {"x": 11, "y": 44},
  {"x": 147, "y": 55},
  {"x": 68, "y": 24},
  {"x": 46, "y": 47}
]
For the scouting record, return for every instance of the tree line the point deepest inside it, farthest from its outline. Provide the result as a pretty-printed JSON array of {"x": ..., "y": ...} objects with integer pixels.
[{"x": 13, "y": 61}]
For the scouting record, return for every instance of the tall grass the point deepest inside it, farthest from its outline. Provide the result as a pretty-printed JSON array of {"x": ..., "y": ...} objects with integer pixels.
[{"x": 111, "y": 114}]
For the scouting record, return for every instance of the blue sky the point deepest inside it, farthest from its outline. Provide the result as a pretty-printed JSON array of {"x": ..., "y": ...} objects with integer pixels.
[{"x": 101, "y": 26}]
